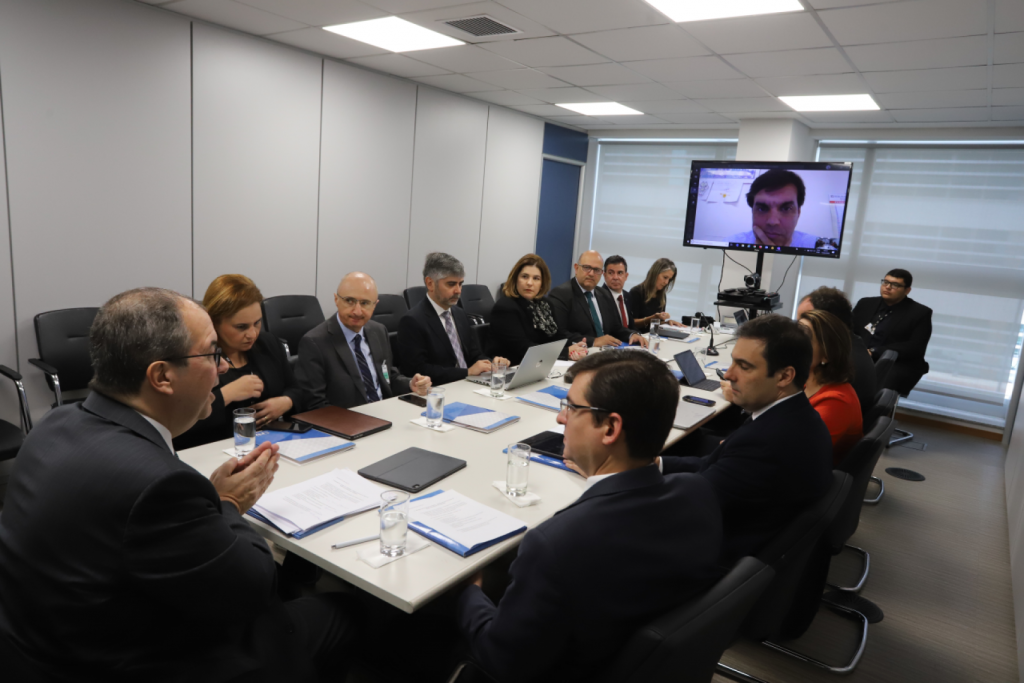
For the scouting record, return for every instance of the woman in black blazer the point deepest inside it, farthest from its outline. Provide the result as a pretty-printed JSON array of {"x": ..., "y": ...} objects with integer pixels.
[
  {"x": 648, "y": 297},
  {"x": 522, "y": 318},
  {"x": 259, "y": 375}
]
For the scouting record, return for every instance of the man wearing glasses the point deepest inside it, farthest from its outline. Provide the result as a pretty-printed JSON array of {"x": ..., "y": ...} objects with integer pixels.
[
  {"x": 634, "y": 545},
  {"x": 346, "y": 361},
  {"x": 894, "y": 321}
]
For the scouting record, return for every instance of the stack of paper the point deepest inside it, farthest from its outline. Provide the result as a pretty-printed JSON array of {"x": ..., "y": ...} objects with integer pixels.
[
  {"x": 689, "y": 414},
  {"x": 478, "y": 419},
  {"x": 305, "y": 508},
  {"x": 548, "y": 397},
  {"x": 306, "y": 446},
  {"x": 460, "y": 524}
]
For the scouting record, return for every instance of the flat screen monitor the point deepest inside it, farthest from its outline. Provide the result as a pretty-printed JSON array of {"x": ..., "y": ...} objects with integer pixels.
[{"x": 787, "y": 207}]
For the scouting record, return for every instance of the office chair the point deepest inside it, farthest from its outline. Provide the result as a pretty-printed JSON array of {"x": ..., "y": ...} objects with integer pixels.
[
  {"x": 477, "y": 301},
  {"x": 12, "y": 436},
  {"x": 291, "y": 316},
  {"x": 390, "y": 309},
  {"x": 885, "y": 406},
  {"x": 62, "y": 338},
  {"x": 882, "y": 369},
  {"x": 414, "y": 296}
]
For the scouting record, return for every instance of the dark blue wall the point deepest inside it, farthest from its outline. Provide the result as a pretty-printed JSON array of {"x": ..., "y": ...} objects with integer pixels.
[
  {"x": 565, "y": 143},
  {"x": 559, "y": 197}
]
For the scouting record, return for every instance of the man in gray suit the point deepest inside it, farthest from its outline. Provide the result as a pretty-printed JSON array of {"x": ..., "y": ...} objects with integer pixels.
[{"x": 346, "y": 360}]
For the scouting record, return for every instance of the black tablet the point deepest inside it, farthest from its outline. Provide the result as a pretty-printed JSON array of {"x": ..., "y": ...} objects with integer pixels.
[
  {"x": 412, "y": 470},
  {"x": 547, "y": 443}
]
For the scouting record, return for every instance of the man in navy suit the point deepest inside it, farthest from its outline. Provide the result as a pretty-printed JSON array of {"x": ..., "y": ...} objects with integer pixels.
[
  {"x": 434, "y": 337},
  {"x": 636, "y": 544},
  {"x": 615, "y": 276},
  {"x": 779, "y": 461}
]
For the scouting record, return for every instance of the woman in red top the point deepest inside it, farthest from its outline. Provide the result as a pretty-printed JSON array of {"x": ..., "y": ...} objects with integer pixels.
[{"x": 828, "y": 386}]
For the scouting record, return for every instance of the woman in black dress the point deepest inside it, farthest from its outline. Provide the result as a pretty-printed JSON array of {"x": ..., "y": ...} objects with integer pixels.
[
  {"x": 259, "y": 375},
  {"x": 522, "y": 318},
  {"x": 648, "y": 297}
]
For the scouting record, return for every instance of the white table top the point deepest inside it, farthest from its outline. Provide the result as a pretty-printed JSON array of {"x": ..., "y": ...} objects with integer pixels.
[{"x": 413, "y": 581}]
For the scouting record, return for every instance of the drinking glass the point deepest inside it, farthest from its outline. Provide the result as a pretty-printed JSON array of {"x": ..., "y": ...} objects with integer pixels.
[
  {"x": 518, "y": 471},
  {"x": 498, "y": 370},
  {"x": 394, "y": 522},
  {"x": 245, "y": 431},
  {"x": 435, "y": 407}
]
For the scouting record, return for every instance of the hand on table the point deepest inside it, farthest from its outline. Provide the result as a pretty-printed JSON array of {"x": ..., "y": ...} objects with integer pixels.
[
  {"x": 242, "y": 482},
  {"x": 578, "y": 350},
  {"x": 638, "y": 339},
  {"x": 420, "y": 385},
  {"x": 271, "y": 409},
  {"x": 606, "y": 340},
  {"x": 479, "y": 367}
]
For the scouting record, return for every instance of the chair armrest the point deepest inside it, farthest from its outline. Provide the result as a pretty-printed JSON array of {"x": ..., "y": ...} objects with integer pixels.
[
  {"x": 10, "y": 374},
  {"x": 480, "y": 324},
  {"x": 45, "y": 367},
  {"x": 287, "y": 351}
]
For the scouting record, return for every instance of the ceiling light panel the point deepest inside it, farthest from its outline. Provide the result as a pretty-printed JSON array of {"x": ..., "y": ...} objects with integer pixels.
[
  {"x": 601, "y": 109},
  {"x": 702, "y": 10},
  {"x": 831, "y": 102},
  {"x": 392, "y": 33}
]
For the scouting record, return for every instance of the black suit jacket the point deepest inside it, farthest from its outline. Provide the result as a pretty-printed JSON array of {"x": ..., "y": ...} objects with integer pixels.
[
  {"x": 426, "y": 349},
  {"x": 629, "y": 549},
  {"x": 327, "y": 369},
  {"x": 513, "y": 333},
  {"x": 863, "y": 381},
  {"x": 628, "y": 301},
  {"x": 906, "y": 330},
  {"x": 572, "y": 313},
  {"x": 642, "y": 309},
  {"x": 765, "y": 473},
  {"x": 118, "y": 561}
]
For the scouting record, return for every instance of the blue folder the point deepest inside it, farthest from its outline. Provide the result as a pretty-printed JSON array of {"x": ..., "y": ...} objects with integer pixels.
[
  {"x": 556, "y": 391},
  {"x": 297, "y": 534},
  {"x": 454, "y": 410},
  {"x": 280, "y": 437},
  {"x": 548, "y": 460},
  {"x": 457, "y": 548}
]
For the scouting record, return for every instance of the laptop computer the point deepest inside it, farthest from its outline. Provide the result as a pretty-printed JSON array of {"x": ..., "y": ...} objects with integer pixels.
[
  {"x": 740, "y": 317},
  {"x": 535, "y": 366},
  {"x": 693, "y": 373}
]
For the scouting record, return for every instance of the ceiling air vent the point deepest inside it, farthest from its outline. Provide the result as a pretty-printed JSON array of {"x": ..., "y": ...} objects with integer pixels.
[{"x": 482, "y": 25}]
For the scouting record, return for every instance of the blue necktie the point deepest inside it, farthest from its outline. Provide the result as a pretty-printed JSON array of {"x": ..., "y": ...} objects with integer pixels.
[
  {"x": 593, "y": 314},
  {"x": 364, "y": 370}
]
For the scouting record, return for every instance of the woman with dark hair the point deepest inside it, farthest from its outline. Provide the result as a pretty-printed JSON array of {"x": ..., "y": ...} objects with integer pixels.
[
  {"x": 649, "y": 297},
  {"x": 259, "y": 375},
  {"x": 522, "y": 318},
  {"x": 828, "y": 386}
]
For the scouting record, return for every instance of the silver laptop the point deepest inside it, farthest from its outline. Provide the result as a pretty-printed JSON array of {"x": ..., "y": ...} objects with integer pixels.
[{"x": 536, "y": 365}]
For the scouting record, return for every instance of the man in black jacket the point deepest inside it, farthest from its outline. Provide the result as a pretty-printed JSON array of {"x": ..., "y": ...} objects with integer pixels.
[
  {"x": 893, "y": 321},
  {"x": 585, "y": 311},
  {"x": 615, "y": 276}
]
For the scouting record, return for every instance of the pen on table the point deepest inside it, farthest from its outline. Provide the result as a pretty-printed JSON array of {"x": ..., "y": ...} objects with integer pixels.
[
  {"x": 711, "y": 363},
  {"x": 355, "y": 541}
]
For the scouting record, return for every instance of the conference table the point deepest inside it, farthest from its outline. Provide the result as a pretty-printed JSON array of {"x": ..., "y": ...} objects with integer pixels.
[{"x": 412, "y": 581}]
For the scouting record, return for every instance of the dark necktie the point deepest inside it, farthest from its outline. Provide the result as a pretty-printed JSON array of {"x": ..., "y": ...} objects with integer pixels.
[
  {"x": 449, "y": 327},
  {"x": 622, "y": 310},
  {"x": 364, "y": 370},
  {"x": 598, "y": 329}
]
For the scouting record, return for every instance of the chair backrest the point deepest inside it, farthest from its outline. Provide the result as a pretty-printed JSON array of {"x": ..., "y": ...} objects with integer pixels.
[
  {"x": 290, "y": 316},
  {"x": 859, "y": 463},
  {"x": 477, "y": 300},
  {"x": 414, "y": 295},
  {"x": 685, "y": 645},
  {"x": 62, "y": 338},
  {"x": 884, "y": 365},
  {"x": 390, "y": 309},
  {"x": 885, "y": 406}
]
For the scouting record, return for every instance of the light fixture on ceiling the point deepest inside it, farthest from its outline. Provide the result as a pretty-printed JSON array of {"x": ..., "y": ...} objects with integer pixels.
[
  {"x": 831, "y": 103},
  {"x": 392, "y": 33},
  {"x": 600, "y": 109},
  {"x": 702, "y": 10}
]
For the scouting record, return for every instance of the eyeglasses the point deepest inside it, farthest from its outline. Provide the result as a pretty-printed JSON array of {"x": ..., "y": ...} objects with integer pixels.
[
  {"x": 565, "y": 405},
  {"x": 350, "y": 302},
  {"x": 889, "y": 284},
  {"x": 590, "y": 269},
  {"x": 217, "y": 354}
]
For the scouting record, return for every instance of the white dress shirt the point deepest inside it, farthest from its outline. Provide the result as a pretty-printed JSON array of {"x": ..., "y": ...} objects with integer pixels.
[
  {"x": 163, "y": 431},
  {"x": 440, "y": 314}
]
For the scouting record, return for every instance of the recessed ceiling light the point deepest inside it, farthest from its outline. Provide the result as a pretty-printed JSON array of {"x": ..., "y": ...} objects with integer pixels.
[
  {"x": 392, "y": 33},
  {"x": 601, "y": 109},
  {"x": 701, "y": 10},
  {"x": 831, "y": 103}
]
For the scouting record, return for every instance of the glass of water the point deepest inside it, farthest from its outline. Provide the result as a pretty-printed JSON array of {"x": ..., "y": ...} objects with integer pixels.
[
  {"x": 498, "y": 370},
  {"x": 435, "y": 407},
  {"x": 654, "y": 339},
  {"x": 517, "y": 474},
  {"x": 245, "y": 431},
  {"x": 394, "y": 522}
]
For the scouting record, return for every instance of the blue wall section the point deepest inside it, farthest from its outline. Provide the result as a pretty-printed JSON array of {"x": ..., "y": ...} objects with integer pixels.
[
  {"x": 556, "y": 224},
  {"x": 565, "y": 143}
]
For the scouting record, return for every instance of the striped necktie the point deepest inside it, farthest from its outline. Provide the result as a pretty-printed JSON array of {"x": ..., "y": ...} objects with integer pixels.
[
  {"x": 364, "y": 370},
  {"x": 449, "y": 327}
]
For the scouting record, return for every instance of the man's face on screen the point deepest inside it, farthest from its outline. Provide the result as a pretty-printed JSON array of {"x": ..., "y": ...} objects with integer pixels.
[{"x": 775, "y": 215}]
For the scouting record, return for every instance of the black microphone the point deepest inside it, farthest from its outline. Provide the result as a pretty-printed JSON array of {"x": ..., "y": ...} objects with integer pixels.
[{"x": 711, "y": 351}]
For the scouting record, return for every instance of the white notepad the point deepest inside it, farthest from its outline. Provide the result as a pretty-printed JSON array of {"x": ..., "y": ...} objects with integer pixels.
[
  {"x": 484, "y": 421},
  {"x": 689, "y": 414},
  {"x": 330, "y": 496}
]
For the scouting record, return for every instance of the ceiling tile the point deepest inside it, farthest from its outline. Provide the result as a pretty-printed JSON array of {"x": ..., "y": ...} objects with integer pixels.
[
  {"x": 398, "y": 65},
  {"x": 552, "y": 51},
  {"x": 963, "y": 78},
  {"x": 912, "y": 20},
  {"x": 517, "y": 79},
  {"x": 1008, "y": 114},
  {"x": 327, "y": 43},
  {"x": 833, "y": 84},
  {"x": 685, "y": 69},
  {"x": 434, "y": 19},
  {"x": 455, "y": 83},
  {"x": 743, "y": 115},
  {"x": 1009, "y": 48},
  {"x": 562, "y": 94},
  {"x": 583, "y": 16},
  {"x": 596, "y": 74},
  {"x": 930, "y": 115},
  {"x": 933, "y": 99},
  {"x": 1007, "y": 96},
  {"x": 659, "y": 107},
  {"x": 832, "y": 4},
  {"x": 747, "y": 104},
  {"x": 1009, "y": 16},
  {"x": 540, "y": 109},
  {"x": 808, "y": 62},
  {"x": 319, "y": 12},
  {"x": 400, "y": 6},
  {"x": 643, "y": 91},
  {"x": 647, "y": 42},
  {"x": 505, "y": 98},
  {"x": 921, "y": 54},
  {"x": 236, "y": 16},
  {"x": 1008, "y": 76},
  {"x": 635, "y": 120},
  {"x": 833, "y": 117},
  {"x": 759, "y": 34},
  {"x": 582, "y": 121},
  {"x": 695, "y": 118},
  {"x": 463, "y": 59},
  {"x": 740, "y": 87}
]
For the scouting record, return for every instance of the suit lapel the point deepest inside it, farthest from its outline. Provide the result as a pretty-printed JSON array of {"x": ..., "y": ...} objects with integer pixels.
[
  {"x": 640, "y": 478},
  {"x": 437, "y": 327},
  {"x": 379, "y": 355},
  {"x": 580, "y": 297},
  {"x": 342, "y": 349},
  {"x": 109, "y": 409}
]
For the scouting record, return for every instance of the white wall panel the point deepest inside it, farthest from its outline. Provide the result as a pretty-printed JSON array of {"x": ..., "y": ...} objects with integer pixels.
[
  {"x": 96, "y": 111},
  {"x": 508, "y": 228},
  {"x": 365, "y": 179},
  {"x": 256, "y": 127},
  {"x": 447, "y": 186}
]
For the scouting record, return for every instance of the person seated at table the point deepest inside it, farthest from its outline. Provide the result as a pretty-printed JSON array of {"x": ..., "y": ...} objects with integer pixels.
[
  {"x": 616, "y": 272},
  {"x": 828, "y": 386},
  {"x": 634, "y": 545},
  {"x": 346, "y": 360},
  {"x": 586, "y": 312},
  {"x": 259, "y": 376},
  {"x": 435, "y": 337},
  {"x": 649, "y": 297},
  {"x": 522, "y": 318},
  {"x": 780, "y": 460}
]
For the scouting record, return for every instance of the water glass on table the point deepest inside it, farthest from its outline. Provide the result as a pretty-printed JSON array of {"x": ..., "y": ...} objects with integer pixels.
[
  {"x": 517, "y": 473},
  {"x": 654, "y": 339},
  {"x": 435, "y": 407},
  {"x": 394, "y": 522},
  {"x": 245, "y": 431},
  {"x": 498, "y": 370}
]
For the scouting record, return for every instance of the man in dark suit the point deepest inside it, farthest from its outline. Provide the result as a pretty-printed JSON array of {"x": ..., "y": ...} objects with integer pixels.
[
  {"x": 346, "y": 360},
  {"x": 582, "y": 310},
  {"x": 779, "y": 461},
  {"x": 615, "y": 275},
  {"x": 434, "y": 337},
  {"x": 634, "y": 545},
  {"x": 895, "y": 322},
  {"x": 118, "y": 562}
]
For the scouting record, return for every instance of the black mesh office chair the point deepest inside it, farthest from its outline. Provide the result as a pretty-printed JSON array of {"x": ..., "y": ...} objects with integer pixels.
[
  {"x": 389, "y": 310},
  {"x": 62, "y": 338},
  {"x": 414, "y": 295},
  {"x": 882, "y": 369},
  {"x": 12, "y": 436},
  {"x": 477, "y": 302},
  {"x": 290, "y": 316},
  {"x": 885, "y": 406}
]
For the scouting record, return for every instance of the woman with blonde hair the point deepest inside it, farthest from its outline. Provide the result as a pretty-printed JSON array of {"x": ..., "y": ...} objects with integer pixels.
[{"x": 650, "y": 296}]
